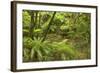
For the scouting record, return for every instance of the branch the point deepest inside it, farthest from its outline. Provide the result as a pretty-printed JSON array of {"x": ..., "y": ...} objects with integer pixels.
[{"x": 50, "y": 23}]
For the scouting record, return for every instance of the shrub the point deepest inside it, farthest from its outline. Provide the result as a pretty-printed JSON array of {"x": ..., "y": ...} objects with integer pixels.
[
  {"x": 46, "y": 51},
  {"x": 64, "y": 51}
]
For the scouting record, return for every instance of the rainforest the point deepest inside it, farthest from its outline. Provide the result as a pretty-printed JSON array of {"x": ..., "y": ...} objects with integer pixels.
[{"x": 56, "y": 35}]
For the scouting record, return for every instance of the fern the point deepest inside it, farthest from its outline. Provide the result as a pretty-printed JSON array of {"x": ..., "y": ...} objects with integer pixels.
[
  {"x": 65, "y": 51},
  {"x": 46, "y": 51}
]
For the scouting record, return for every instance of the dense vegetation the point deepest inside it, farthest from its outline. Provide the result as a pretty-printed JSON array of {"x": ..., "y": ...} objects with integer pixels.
[{"x": 53, "y": 36}]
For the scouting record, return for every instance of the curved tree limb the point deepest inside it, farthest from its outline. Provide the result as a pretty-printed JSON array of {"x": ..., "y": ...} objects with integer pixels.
[{"x": 50, "y": 23}]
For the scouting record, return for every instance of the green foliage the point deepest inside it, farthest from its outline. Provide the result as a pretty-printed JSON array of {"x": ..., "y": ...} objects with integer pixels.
[
  {"x": 27, "y": 42},
  {"x": 64, "y": 51},
  {"x": 26, "y": 55},
  {"x": 50, "y": 36},
  {"x": 64, "y": 27},
  {"x": 25, "y": 32},
  {"x": 26, "y": 18},
  {"x": 44, "y": 51},
  {"x": 39, "y": 50}
]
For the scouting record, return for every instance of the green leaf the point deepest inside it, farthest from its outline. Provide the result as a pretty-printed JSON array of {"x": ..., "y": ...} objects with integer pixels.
[
  {"x": 32, "y": 53},
  {"x": 37, "y": 30}
]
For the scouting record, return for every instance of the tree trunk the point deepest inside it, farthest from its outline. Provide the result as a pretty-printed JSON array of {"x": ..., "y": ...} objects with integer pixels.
[
  {"x": 46, "y": 31},
  {"x": 31, "y": 24},
  {"x": 34, "y": 16}
]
